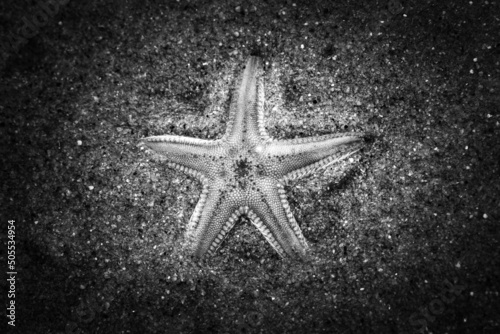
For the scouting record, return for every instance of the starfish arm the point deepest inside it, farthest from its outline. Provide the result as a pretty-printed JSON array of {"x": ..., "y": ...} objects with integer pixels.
[
  {"x": 214, "y": 216},
  {"x": 269, "y": 214},
  {"x": 192, "y": 156},
  {"x": 301, "y": 156},
  {"x": 246, "y": 112}
]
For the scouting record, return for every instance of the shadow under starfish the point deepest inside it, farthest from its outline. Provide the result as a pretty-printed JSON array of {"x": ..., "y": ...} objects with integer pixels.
[{"x": 243, "y": 172}]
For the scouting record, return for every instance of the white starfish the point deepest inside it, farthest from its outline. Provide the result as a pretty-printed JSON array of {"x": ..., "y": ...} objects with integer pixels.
[{"x": 243, "y": 173}]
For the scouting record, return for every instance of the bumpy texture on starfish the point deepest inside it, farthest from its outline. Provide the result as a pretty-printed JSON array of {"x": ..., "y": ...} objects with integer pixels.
[{"x": 243, "y": 172}]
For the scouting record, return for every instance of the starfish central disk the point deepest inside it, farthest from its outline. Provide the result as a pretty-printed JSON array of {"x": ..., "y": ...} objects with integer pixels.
[{"x": 243, "y": 172}]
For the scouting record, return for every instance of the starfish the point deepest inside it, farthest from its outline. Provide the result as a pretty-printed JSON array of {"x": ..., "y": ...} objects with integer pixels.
[{"x": 243, "y": 173}]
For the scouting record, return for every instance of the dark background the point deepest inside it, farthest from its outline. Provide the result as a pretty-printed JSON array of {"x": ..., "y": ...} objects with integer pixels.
[{"x": 99, "y": 222}]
